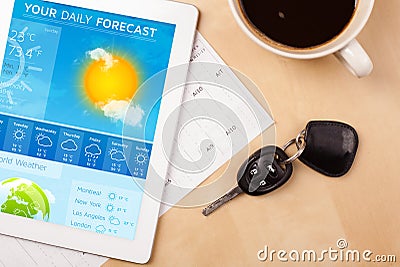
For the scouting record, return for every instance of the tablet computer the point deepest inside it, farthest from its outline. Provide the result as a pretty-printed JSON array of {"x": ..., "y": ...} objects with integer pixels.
[{"x": 70, "y": 73}]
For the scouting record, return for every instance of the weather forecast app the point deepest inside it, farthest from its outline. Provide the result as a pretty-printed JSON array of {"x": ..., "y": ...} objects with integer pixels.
[{"x": 70, "y": 85}]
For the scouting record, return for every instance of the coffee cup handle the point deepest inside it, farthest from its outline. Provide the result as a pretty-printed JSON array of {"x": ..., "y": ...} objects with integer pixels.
[{"x": 354, "y": 57}]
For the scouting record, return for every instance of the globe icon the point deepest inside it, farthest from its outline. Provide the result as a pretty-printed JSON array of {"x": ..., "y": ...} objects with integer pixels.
[{"x": 24, "y": 198}]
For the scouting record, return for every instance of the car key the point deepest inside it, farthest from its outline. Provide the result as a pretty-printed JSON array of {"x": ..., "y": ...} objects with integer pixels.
[
  {"x": 262, "y": 173},
  {"x": 328, "y": 147}
]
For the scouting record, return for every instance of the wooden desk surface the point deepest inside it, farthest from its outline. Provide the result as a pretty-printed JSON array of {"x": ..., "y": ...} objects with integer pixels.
[{"x": 311, "y": 211}]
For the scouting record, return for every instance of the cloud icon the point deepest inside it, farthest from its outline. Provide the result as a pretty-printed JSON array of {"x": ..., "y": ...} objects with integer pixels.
[
  {"x": 118, "y": 156},
  {"x": 93, "y": 150},
  {"x": 114, "y": 221},
  {"x": 44, "y": 141},
  {"x": 69, "y": 145},
  {"x": 100, "y": 229}
]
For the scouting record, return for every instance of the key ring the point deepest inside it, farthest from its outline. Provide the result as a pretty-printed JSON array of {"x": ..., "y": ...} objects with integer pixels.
[{"x": 300, "y": 144}]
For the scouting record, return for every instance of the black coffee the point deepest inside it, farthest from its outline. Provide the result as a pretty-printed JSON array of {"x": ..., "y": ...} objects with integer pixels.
[{"x": 299, "y": 23}]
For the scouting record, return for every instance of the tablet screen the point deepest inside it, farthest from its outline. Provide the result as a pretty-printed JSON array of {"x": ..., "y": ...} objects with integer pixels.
[{"x": 67, "y": 80}]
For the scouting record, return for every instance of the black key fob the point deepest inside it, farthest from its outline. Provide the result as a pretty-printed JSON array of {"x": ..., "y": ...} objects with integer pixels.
[
  {"x": 330, "y": 147},
  {"x": 264, "y": 172}
]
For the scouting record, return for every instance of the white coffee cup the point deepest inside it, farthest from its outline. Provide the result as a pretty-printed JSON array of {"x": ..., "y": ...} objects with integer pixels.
[{"x": 345, "y": 47}]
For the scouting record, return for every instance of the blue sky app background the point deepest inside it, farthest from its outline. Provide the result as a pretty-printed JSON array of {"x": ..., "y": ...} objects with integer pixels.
[{"x": 66, "y": 101}]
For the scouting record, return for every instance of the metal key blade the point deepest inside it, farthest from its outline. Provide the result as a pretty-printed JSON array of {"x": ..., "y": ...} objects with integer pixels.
[{"x": 222, "y": 200}]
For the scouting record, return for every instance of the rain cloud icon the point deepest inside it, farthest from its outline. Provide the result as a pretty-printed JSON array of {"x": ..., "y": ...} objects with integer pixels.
[
  {"x": 69, "y": 145},
  {"x": 93, "y": 150}
]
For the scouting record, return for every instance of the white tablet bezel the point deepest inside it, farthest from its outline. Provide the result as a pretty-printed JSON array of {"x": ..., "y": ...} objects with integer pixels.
[{"x": 137, "y": 250}]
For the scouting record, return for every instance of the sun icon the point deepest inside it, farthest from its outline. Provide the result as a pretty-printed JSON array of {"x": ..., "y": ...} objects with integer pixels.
[
  {"x": 39, "y": 136},
  {"x": 19, "y": 135},
  {"x": 112, "y": 151},
  {"x": 110, "y": 207},
  {"x": 109, "y": 77},
  {"x": 141, "y": 158}
]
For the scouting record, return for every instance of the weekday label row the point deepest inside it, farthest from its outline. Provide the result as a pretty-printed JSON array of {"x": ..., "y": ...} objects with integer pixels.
[{"x": 75, "y": 147}]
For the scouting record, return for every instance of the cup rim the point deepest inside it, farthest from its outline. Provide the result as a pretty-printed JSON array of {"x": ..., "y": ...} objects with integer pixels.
[{"x": 301, "y": 54}]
